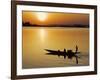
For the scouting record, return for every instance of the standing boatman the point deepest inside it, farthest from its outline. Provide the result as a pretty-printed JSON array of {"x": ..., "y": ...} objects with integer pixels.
[{"x": 76, "y": 48}]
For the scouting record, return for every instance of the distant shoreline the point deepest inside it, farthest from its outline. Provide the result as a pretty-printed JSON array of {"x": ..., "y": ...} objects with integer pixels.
[
  {"x": 54, "y": 27},
  {"x": 27, "y": 24}
]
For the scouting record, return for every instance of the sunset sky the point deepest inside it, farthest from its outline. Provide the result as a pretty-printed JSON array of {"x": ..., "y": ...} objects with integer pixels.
[{"x": 46, "y": 18}]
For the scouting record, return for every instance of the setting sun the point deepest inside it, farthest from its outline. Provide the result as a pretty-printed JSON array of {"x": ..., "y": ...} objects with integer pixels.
[{"x": 42, "y": 16}]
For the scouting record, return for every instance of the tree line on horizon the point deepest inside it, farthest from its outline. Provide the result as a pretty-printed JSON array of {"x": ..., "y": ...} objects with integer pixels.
[{"x": 26, "y": 24}]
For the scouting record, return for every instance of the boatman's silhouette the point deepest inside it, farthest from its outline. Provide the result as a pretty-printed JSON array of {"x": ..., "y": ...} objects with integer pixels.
[{"x": 76, "y": 48}]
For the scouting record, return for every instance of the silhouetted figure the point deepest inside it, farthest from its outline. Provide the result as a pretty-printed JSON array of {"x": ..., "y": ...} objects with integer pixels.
[
  {"x": 76, "y": 48},
  {"x": 58, "y": 53},
  {"x": 58, "y": 50},
  {"x": 64, "y": 53},
  {"x": 64, "y": 50}
]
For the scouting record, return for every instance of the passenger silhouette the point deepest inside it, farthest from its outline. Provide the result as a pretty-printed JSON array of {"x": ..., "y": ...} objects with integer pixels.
[
  {"x": 58, "y": 53},
  {"x": 64, "y": 50},
  {"x": 58, "y": 50}
]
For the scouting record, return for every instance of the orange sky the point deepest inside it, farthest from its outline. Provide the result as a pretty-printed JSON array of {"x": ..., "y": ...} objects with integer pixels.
[{"x": 55, "y": 18}]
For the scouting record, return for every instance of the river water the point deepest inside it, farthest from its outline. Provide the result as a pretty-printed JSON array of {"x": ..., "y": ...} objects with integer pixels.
[{"x": 36, "y": 39}]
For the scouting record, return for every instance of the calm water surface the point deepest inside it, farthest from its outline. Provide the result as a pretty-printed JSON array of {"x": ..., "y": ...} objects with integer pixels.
[{"x": 35, "y": 40}]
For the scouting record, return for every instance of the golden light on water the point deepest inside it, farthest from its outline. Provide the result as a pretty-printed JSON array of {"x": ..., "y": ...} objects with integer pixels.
[
  {"x": 36, "y": 40},
  {"x": 42, "y": 34},
  {"x": 42, "y": 16}
]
